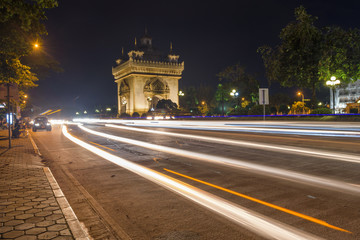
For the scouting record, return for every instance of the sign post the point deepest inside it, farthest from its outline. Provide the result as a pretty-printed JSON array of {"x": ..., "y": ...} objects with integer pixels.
[
  {"x": 263, "y": 99},
  {"x": 7, "y": 88}
]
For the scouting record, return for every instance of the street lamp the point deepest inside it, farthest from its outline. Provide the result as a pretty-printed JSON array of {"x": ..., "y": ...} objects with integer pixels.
[
  {"x": 332, "y": 83},
  {"x": 302, "y": 96},
  {"x": 235, "y": 94},
  {"x": 181, "y": 93}
]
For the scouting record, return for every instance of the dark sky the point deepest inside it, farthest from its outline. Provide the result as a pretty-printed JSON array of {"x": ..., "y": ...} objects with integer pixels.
[{"x": 86, "y": 37}]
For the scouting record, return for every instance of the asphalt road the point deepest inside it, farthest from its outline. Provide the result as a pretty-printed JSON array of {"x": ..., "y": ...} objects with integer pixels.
[{"x": 305, "y": 184}]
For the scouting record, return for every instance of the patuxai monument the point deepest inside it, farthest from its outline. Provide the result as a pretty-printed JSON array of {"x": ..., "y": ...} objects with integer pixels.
[{"x": 146, "y": 76}]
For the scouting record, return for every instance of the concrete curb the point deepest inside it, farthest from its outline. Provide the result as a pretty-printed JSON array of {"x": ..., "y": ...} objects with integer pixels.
[{"x": 77, "y": 229}]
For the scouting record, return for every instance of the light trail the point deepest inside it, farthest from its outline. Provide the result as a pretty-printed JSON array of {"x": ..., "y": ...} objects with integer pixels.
[
  {"x": 263, "y": 146},
  {"x": 315, "y": 220},
  {"x": 231, "y": 128},
  {"x": 253, "y": 221},
  {"x": 270, "y": 127},
  {"x": 280, "y": 173}
]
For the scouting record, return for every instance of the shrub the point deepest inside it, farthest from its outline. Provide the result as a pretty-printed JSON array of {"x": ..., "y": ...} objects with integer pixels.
[
  {"x": 284, "y": 109},
  {"x": 124, "y": 115},
  {"x": 258, "y": 110},
  {"x": 354, "y": 110},
  {"x": 144, "y": 115},
  {"x": 135, "y": 115},
  {"x": 238, "y": 111},
  {"x": 321, "y": 111}
]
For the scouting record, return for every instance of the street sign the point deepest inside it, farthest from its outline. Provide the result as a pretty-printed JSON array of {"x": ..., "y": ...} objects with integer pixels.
[{"x": 263, "y": 96}]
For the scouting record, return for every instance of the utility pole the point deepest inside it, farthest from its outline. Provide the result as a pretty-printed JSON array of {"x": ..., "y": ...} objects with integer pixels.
[{"x": 8, "y": 110}]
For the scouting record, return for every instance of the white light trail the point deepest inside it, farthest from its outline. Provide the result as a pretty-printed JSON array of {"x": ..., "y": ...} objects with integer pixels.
[
  {"x": 263, "y": 146},
  {"x": 290, "y": 128},
  {"x": 280, "y": 173},
  {"x": 254, "y": 222}
]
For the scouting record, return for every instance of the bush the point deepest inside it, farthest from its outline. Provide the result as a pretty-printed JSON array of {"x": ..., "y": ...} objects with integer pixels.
[
  {"x": 238, "y": 111},
  {"x": 124, "y": 115},
  {"x": 284, "y": 109},
  {"x": 321, "y": 111},
  {"x": 258, "y": 110},
  {"x": 135, "y": 115},
  {"x": 273, "y": 110},
  {"x": 144, "y": 115},
  {"x": 354, "y": 110}
]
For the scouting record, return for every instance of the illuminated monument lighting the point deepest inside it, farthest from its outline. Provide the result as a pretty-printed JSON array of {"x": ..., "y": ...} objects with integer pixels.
[{"x": 146, "y": 76}]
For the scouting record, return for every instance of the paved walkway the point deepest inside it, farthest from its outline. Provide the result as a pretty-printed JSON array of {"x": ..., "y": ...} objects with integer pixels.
[{"x": 32, "y": 205}]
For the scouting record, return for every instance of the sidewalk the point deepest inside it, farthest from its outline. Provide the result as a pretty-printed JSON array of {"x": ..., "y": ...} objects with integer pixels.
[{"x": 32, "y": 205}]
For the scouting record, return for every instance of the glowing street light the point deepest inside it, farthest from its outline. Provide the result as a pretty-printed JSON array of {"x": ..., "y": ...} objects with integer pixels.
[
  {"x": 36, "y": 45},
  {"x": 332, "y": 83},
  {"x": 234, "y": 93},
  {"x": 302, "y": 96},
  {"x": 181, "y": 93}
]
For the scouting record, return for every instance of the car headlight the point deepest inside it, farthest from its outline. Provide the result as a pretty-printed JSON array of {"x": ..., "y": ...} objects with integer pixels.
[
  {"x": 37, "y": 124},
  {"x": 48, "y": 124}
]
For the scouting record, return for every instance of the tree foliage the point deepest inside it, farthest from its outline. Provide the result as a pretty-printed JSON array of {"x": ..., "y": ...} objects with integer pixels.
[
  {"x": 246, "y": 84},
  {"x": 340, "y": 54},
  {"x": 21, "y": 25},
  {"x": 307, "y": 56}
]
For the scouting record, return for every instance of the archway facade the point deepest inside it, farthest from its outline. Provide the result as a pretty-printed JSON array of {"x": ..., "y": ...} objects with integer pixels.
[{"x": 145, "y": 77}]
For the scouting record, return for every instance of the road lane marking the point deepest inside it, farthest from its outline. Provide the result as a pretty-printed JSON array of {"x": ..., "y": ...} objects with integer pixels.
[
  {"x": 315, "y": 220},
  {"x": 288, "y": 175},
  {"x": 102, "y": 146},
  {"x": 255, "y": 222}
]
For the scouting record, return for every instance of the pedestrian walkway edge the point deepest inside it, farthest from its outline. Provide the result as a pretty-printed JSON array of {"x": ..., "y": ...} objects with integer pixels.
[{"x": 76, "y": 227}]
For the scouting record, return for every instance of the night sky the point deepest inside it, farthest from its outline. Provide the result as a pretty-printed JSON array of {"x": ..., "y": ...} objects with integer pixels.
[{"x": 86, "y": 37}]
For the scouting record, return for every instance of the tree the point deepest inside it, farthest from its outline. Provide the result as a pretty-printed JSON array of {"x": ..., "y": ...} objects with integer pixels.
[
  {"x": 308, "y": 56},
  {"x": 299, "y": 108},
  {"x": 246, "y": 84},
  {"x": 340, "y": 55},
  {"x": 221, "y": 96},
  {"x": 279, "y": 99},
  {"x": 295, "y": 61},
  {"x": 21, "y": 25}
]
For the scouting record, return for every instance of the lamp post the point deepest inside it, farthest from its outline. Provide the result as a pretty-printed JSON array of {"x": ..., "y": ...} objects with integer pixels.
[
  {"x": 302, "y": 96},
  {"x": 180, "y": 94},
  {"x": 235, "y": 94},
  {"x": 332, "y": 83}
]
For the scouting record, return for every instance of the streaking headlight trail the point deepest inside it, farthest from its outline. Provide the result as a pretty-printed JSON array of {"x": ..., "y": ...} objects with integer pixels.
[
  {"x": 271, "y": 171},
  {"x": 255, "y": 222},
  {"x": 263, "y": 146}
]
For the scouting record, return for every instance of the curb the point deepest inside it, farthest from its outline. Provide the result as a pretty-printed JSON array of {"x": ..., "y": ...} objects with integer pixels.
[{"x": 77, "y": 229}]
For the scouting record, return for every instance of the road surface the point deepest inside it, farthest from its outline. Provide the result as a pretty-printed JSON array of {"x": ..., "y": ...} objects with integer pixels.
[{"x": 209, "y": 180}]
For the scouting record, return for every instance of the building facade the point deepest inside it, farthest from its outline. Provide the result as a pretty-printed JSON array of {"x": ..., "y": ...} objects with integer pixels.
[
  {"x": 146, "y": 76},
  {"x": 344, "y": 95}
]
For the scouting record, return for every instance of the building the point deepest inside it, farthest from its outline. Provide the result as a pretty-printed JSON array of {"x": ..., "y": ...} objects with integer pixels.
[
  {"x": 146, "y": 76},
  {"x": 345, "y": 95}
]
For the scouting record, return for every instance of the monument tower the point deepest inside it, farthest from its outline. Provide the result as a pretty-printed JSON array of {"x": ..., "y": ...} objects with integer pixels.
[{"x": 146, "y": 76}]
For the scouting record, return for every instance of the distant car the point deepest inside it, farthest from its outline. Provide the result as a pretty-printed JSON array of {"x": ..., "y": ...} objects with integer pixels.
[{"x": 41, "y": 123}]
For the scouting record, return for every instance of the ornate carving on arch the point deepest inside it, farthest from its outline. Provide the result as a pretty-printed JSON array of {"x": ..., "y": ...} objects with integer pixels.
[
  {"x": 124, "y": 88},
  {"x": 156, "y": 86}
]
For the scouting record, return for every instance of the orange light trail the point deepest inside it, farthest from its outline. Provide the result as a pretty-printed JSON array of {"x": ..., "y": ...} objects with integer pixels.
[
  {"x": 102, "y": 146},
  {"x": 315, "y": 220}
]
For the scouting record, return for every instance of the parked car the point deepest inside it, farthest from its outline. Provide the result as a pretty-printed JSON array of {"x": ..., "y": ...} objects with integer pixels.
[{"x": 41, "y": 123}]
